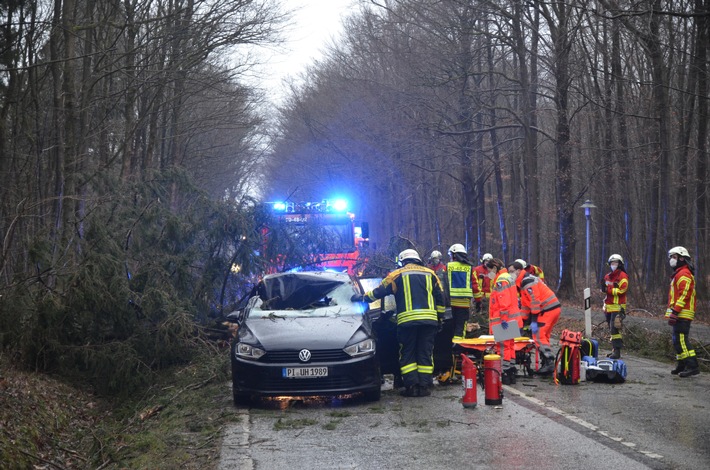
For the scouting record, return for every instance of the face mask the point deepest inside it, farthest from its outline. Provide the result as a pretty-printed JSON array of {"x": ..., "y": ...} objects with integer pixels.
[
  {"x": 614, "y": 266},
  {"x": 491, "y": 275},
  {"x": 673, "y": 262}
]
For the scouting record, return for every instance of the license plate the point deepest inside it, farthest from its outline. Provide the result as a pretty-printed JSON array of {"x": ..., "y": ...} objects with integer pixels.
[{"x": 304, "y": 372}]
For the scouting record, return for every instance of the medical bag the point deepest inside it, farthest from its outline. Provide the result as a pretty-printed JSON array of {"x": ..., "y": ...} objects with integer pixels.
[{"x": 567, "y": 365}]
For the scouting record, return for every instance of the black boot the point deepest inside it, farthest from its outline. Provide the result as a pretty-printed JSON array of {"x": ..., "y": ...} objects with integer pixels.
[
  {"x": 410, "y": 391},
  {"x": 512, "y": 372},
  {"x": 424, "y": 391},
  {"x": 614, "y": 354},
  {"x": 505, "y": 377},
  {"x": 691, "y": 367},
  {"x": 680, "y": 367}
]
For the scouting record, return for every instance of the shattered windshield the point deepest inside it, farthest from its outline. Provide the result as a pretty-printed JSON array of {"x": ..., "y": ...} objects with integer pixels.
[{"x": 299, "y": 292}]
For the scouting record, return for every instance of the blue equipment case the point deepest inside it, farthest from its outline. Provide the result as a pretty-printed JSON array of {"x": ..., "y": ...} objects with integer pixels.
[{"x": 608, "y": 371}]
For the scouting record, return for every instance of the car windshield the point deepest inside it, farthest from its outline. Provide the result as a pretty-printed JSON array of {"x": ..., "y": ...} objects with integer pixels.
[{"x": 303, "y": 293}]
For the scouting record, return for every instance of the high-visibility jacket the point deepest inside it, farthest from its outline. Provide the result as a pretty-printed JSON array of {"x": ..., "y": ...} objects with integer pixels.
[
  {"x": 504, "y": 301},
  {"x": 681, "y": 296},
  {"x": 615, "y": 298},
  {"x": 461, "y": 279},
  {"x": 417, "y": 292},
  {"x": 536, "y": 297},
  {"x": 482, "y": 287}
]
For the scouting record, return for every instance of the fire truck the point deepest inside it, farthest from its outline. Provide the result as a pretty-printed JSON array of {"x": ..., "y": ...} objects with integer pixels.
[{"x": 340, "y": 240}]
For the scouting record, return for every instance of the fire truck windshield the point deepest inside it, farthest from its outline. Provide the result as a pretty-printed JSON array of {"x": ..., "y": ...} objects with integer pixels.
[{"x": 332, "y": 236}]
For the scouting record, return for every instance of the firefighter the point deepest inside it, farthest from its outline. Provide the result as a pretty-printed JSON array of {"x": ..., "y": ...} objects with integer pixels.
[
  {"x": 615, "y": 285},
  {"x": 531, "y": 269},
  {"x": 439, "y": 268},
  {"x": 461, "y": 279},
  {"x": 482, "y": 288},
  {"x": 435, "y": 263},
  {"x": 503, "y": 310},
  {"x": 681, "y": 310},
  {"x": 420, "y": 304},
  {"x": 541, "y": 308}
]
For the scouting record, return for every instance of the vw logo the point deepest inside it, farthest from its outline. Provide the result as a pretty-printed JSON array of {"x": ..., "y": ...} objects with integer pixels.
[{"x": 304, "y": 355}]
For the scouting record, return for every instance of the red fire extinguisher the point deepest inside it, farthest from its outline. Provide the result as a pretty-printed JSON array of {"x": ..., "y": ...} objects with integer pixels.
[
  {"x": 492, "y": 379},
  {"x": 469, "y": 373}
]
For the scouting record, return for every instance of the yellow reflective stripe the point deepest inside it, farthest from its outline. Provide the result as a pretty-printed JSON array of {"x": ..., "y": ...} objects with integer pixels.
[
  {"x": 614, "y": 307},
  {"x": 407, "y": 293},
  {"x": 460, "y": 302},
  {"x": 409, "y": 368},
  {"x": 425, "y": 369},
  {"x": 417, "y": 315},
  {"x": 616, "y": 336},
  {"x": 430, "y": 289}
]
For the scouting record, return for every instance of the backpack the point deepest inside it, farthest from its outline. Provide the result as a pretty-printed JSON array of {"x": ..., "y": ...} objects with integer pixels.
[
  {"x": 567, "y": 362},
  {"x": 590, "y": 347}
]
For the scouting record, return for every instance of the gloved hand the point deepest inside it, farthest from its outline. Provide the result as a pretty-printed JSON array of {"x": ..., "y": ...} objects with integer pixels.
[
  {"x": 357, "y": 298},
  {"x": 616, "y": 285},
  {"x": 534, "y": 328},
  {"x": 672, "y": 316},
  {"x": 504, "y": 324},
  {"x": 603, "y": 285},
  {"x": 440, "y": 326},
  {"x": 478, "y": 306}
]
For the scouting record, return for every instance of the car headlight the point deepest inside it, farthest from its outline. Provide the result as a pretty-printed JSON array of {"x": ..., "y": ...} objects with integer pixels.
[
  {"x": 247, "y": 346},
  {"x": 247, "y": 351},
  {"x": 361, "y": 348}
]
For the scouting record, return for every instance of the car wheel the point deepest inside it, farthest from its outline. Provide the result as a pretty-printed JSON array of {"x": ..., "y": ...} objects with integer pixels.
[{"x": 373, "y": 395}]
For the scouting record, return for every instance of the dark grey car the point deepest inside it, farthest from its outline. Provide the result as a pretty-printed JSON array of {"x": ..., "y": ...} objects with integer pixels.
[{"x": 301, "y": 335}]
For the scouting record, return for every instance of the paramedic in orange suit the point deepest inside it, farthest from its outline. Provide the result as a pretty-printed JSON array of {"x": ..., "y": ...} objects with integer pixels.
[
  {"x": 540, "y": 304},
  {"x": 503, "y": 310}
]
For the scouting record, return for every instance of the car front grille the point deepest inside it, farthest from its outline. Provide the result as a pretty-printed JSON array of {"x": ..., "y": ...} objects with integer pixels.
[{"x": 318, "y": 356}]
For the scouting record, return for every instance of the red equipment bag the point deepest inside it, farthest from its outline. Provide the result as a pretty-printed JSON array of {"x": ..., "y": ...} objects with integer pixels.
[{"x": 567, "y": 362}]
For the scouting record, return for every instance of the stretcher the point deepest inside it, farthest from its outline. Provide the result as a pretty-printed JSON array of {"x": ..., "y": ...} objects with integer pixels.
[
  {"x": 526, "y": 352},
  {"x": 487, "y": 342}
]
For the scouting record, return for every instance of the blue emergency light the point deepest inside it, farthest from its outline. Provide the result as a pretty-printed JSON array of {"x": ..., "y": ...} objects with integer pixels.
[
  {"x": 337, "y": 205},
  {"x": 340, "y": 205}
]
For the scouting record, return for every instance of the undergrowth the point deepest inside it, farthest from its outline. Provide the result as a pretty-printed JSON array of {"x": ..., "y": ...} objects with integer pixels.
[{"x": 176, "y": 422}]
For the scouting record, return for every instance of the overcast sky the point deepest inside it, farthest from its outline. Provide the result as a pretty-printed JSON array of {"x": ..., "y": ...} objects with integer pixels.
[{"x": 315, "y": 22}]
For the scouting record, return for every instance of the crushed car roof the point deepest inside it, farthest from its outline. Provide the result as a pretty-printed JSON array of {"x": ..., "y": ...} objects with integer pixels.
[{"x": 298, "y": 290}]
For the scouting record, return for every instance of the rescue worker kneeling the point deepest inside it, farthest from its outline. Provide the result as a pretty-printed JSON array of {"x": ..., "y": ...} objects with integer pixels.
[
  {"x": 541, "y": 306},
  {"x": 420, "y": 303},
  {"x": 503, "y": 310}
]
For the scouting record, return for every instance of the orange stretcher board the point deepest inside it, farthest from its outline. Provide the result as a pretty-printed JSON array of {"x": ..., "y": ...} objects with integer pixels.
[{"x": 484, "y": 342}]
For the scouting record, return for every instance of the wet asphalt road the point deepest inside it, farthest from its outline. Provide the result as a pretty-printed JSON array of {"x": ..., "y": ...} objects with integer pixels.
[{"x": 653, "y": 420}]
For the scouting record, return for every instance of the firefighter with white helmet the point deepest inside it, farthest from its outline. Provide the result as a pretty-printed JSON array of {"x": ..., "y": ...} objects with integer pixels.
[
  {"x": 681, "y": 310},
  {"x": 614, "y": 286},
  {"x": 482, "y": 289},
  {"x": 435, "y": 262},
  {"x": 420, "y": 304}
]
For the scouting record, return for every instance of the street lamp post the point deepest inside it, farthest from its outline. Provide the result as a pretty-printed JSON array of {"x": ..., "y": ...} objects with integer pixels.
[{"x": 587, "y": 206}]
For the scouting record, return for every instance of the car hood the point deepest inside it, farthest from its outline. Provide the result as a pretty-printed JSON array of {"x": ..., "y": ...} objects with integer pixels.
[{"x": 277, "y": 333}]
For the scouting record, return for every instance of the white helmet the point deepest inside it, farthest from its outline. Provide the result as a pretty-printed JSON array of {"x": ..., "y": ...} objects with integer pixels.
[
  {"x": 616, "y": 258},
  {"x": 680, "y": 251},
  {"x": 409, "y": 254},
  {"x": 457, "y": 248},
  {"x": 486, "y": 257},
  {"x": 435, "y": 254},
  {"x": 522, "y": 262}
]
